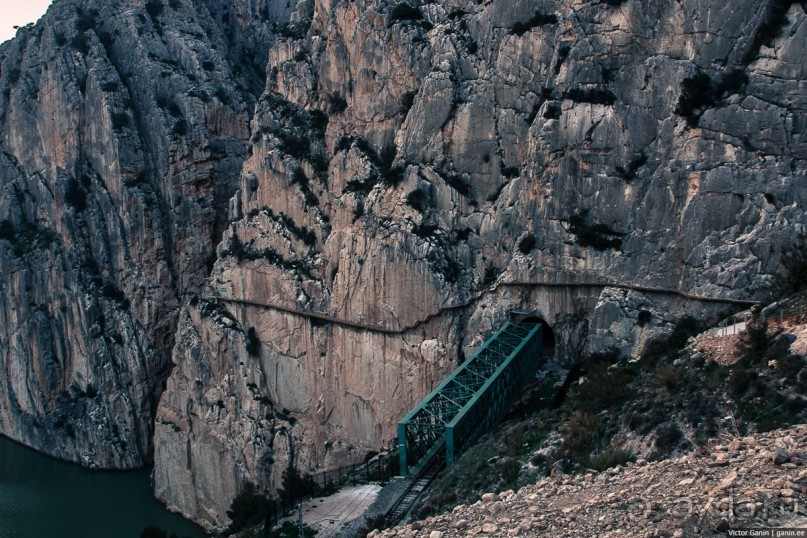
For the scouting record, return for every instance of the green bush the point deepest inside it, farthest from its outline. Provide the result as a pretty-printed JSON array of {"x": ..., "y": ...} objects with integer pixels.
[
  {"x": 371, "y": 523},
  {"x": 7, "y": 230},
  {"x": 119, "y": 120},
  {"x": 79, "y": 42},
  {"x": 361, "y": 186},
  {"x": 407, "y": 100},
  {"x": 337, "y": 103},
  {"x": 154, "y": 8},
  {"x": 579, "y": 432},
  {"x": 30, "y": 238},
  {"x": 253, "y": 343},
  {"x": 563, "y": 53},
  {"x": 113, "y": 293},
  {"x": 180, "y": 128},
  {"x": 696, "y": 96},
  {"x": 457, "y": 184},
  {"x": 606, "y": 385},
  {"x": 597, "y": 96},
  {"x": 669, "y": 377},
  {"x": 528, "y": 243},
  {"x": 754, "y": 341},
  {"x": 668, "y": 348},
  {"x": 417, "y": 199},
  {"x": 596, "y": 235},
  {"x": 391, "y": 174},
  {"x": 538, "y": 19},
  {"x": 553, "y": 111},
  {"x": 667, "y": 437},
  {"x": 86, "y": 21},
  {"x": 490, "y": 276},
  {"x": 404, "y": 12},
  {"x": 731, "y": 83},
  {"x": 629, "y": 173},
  {"x": 248, "y": 508},
  {"x": 75, "y": 195},
  {"x": 295, "y": 486},
  {"x": 291, "y": 530},
  {"x": 508, "y": 470},
  {"x": 510, "y": 172},
  {"x": 794, "y": 262},
  {"x": 610, "y": 458},
  {"x": 740, "y": 380},
  {"x": 699, "y": 93}
]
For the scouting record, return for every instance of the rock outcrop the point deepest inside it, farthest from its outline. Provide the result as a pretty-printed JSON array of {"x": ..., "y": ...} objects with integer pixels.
[{"x": 194, "y": 177}]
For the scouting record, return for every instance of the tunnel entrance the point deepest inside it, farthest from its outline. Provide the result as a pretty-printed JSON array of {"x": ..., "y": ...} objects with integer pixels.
[{"x": 532, "y": 316}]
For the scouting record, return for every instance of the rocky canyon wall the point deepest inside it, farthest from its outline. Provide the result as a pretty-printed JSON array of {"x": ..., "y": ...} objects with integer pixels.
[{"x": 188, "y": 179}]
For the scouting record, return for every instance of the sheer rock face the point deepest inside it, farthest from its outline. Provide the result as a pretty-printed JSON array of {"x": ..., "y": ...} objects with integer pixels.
[
  {"x": 123, "y": 135},
  {"x": 390, "y": 165}
]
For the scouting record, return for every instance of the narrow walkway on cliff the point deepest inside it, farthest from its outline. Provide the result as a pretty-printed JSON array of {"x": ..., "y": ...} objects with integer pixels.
[
  {"x": 379, "y": 328},
  {"x": 468, "y": 404}
]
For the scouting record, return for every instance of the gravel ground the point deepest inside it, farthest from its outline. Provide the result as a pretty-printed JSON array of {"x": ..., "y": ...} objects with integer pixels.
[{"x": 385, "y": 497}]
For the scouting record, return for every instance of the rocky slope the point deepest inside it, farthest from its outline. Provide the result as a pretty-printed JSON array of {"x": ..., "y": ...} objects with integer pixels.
[
  {"x": 750, "y": 482},
  {"x": 192, "y": 175}
]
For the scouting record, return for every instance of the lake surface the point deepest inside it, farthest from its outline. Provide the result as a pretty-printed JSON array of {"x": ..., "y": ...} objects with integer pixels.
[{"x": 44, "y": 498}]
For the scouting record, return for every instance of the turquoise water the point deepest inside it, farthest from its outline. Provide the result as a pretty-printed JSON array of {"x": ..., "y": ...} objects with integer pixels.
[{"x": 44, "y": 498}]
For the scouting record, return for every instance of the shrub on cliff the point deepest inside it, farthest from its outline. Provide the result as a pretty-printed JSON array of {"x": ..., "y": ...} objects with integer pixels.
[
  {"x": 594, "y": 234},
  {"x": 667, "y": 437},
  {"x": 404, "y": 12},
  {"x": 7, "y": 230},
  {"x": 538, "y": 19},
  {"x": 154, "y": 8},
  {"x": 527, "y": 243},
  {"x": 248, "y": 508},
  {"x": 75, "y": 195},
  {"x": 580, "y": 432},
  {"x": 417, "y": 200},
  {"x": 699, "y": 92},
  {"x": 253, "y": 343},
  {"x": 595, "y": 96},
  {"x": 794, "y": 262}
]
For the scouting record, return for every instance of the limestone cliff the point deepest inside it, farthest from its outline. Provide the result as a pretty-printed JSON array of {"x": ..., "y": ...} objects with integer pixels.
[
  {"x": 198, "y": 176},
  {"x": 124, "y": 130}
]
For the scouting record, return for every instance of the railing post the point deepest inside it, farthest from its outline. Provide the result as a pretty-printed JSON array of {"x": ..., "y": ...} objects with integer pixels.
[
  {"x": 449, "y": 435},
  {"x": 402, "y": 448}
]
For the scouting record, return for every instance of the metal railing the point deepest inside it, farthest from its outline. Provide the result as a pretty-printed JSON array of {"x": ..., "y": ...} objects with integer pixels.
[
  {"x": 774, "y": 315},
  {"x": 303, "y": 487}
]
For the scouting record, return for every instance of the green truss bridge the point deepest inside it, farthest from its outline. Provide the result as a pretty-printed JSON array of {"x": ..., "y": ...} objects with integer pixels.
[{"x": 472, "y": 400}]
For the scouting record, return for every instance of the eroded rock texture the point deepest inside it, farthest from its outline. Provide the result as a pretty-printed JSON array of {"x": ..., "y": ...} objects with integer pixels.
[{"x": 183, "y": 178}]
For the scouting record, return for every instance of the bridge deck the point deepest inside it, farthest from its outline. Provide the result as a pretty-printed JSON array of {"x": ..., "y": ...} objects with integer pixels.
[{"x": 473, "y": 398}]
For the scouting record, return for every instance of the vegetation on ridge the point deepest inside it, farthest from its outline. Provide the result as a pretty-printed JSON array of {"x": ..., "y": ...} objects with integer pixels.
[{"x": 671, "y": 400}]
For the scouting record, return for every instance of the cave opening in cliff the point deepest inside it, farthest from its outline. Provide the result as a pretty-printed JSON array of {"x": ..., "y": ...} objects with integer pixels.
[
  {"x": 548, "y": 342},
  {"x": 548, "y": 338}
]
